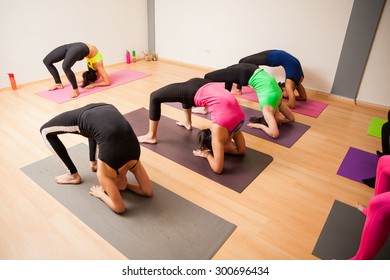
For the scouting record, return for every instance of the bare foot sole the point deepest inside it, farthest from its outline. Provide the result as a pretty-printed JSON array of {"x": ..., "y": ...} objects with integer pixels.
[
  {"x": 236, "y": 91},
  {"x": 187, "y": 126},
  {"x": 147, "y": 139},
  {"x": 56, "y": 86},
  {"x": 200, "y": 110},
  {"x": 360, "y": 207},
  {"x": 75, "y": 94},
  {"x": 73, "y": 179},
  {"x": 93, "y": 166}
]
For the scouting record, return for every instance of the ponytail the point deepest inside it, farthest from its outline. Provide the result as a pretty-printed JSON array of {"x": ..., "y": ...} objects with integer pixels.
[
  {"x": 204, "y": 139},
  {"x": 89, "y": 76}
]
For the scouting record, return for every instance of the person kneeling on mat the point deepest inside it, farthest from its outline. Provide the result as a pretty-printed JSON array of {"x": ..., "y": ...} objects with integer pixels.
[
  {"x": 227, "y": 117},
  {"x": 118, "y": 151}
]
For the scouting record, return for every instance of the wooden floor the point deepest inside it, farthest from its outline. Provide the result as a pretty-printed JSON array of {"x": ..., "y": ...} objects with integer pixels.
[{"x": 279, "y": 216}]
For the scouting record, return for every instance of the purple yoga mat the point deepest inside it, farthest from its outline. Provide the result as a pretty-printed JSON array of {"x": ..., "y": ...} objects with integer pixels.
[
  {"x": 310, "y": 107},
  {"x": 358, "y": 165},
  {"x": 116, "y": 79},
  {"x": 176, "y": 143},
  {"x": 289, "y": 133}
]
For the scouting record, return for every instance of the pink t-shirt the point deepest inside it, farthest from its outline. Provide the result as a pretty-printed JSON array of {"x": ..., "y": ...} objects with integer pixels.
[{"x": 222, "y": 105}]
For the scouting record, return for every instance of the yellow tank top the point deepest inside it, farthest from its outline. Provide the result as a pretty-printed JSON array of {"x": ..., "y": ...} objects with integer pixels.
[{"x": 97, "y": 58}]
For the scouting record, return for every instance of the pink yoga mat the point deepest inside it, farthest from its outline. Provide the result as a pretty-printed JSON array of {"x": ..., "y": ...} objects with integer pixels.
[
  {"x": 116, "y": 79},
  {"x": 310, "y": 107}
]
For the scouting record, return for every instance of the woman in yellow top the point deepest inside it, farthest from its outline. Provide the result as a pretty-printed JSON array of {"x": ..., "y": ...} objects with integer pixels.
[{"x": 70, "y": 54}]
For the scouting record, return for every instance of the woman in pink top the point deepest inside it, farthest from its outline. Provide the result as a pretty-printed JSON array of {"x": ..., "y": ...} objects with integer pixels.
[
  {"x": 376, "y": 229},
  {"x": 227, "y": 118}
]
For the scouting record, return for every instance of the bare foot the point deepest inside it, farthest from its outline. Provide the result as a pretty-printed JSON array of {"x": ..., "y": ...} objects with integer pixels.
[
  {"x": 147, "y": 139},
  {"x": 186, "y": 125},
  {"x": 360, "y": 207},
  {"x": 93, "y": 166},
  {"x": 73, "y": 179},
  {"x": 236, "y": 91},
  {"x": 200, "y": 110},
  {"x": 75, "y": 93},
  {"x": 56, "y": 86}
]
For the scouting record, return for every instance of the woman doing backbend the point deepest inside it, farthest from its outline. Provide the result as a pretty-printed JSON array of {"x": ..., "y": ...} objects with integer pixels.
[
  {"x": 111, "y": 135},
  {"x": 70, "y": 54},
  {"x": 292, "y": 67},
  {"x": 376, "y": 228},
  {"x": 267, "y": 90},
  {"x": 227, "y": 118}
]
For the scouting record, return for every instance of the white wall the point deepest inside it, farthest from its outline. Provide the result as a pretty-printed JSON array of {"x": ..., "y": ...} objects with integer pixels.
[
  {"x": 29, "y": 30},
  {"x": 218, "y": 33},
  {"x": 374, "y": 87}
]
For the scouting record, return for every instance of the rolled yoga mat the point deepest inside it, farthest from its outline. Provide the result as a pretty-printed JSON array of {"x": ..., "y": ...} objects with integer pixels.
[
  {"x": 358, "y": 165},
  {"x": 176, "y": 143},
  {"x": 164, "y": 227},
  {"x": 116, "y": 79},
  {"x": 289, "y": 133},
  {"x": 341, "y": 234}
]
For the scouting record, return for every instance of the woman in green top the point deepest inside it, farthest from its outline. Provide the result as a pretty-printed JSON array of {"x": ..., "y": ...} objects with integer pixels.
[
  {"x": 268, "y": 92},
  {"x": 70, "y": 54}
]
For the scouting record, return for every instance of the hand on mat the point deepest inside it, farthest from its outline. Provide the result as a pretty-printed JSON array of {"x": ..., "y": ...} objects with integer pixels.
[
  {"x": 97, "y": 191},
  {"x": 201, "y": 153},
  {"x": 90, "y": 86}
]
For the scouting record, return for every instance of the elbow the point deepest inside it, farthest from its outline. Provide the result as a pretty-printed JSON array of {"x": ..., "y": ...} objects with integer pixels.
[
  {"x": 218, "y": 170},
  {"x": 119, "y": 209},
  {"x": 274, "y": 134}
]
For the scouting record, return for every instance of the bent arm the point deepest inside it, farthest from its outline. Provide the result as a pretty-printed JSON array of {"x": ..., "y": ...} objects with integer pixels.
[
  {"x": 109, "y": 192},
  {"x": 290, "y": 87},
  {"x": 144, "y": 186},
  {"x": 102, "y": 72}
]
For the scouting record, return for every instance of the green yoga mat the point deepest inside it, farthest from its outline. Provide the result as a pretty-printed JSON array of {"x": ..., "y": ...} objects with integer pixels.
[
  {"x": 164, "y": 227},
  {"x": 375, "y": 127}
]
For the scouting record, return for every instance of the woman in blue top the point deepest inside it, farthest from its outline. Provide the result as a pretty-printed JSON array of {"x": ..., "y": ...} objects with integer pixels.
[{"x": 292, "y": 67}]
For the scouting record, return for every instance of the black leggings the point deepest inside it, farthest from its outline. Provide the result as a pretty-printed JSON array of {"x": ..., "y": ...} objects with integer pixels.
[
  {"x": 386, "y": 138},
  {"x": 70, "y": 53},
  {"x": 237, "y": 73},
  {"x": 260, "y": 58},
  {"x": 178, "y": 92},
  {"x": 61, "y": 124}
]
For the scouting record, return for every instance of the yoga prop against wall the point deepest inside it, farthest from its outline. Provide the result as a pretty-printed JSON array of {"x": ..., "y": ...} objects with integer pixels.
[
  {"x": 116, "y": 79},
  {"x": 341, "y": 234},
  {"x": 358, "y": 165},
  {"x": 176, "y": 143},
  {"x": 289, "y": 133},
  {"x": 310, "y": 107},
  {"x": 375, "y": 127},
  {"x": 164, "y": 227}
]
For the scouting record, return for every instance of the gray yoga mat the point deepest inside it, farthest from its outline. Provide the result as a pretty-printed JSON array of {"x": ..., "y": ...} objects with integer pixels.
[
  {"x": 341, "y": 234},
  {"x": 164, "y": 227},
  {"x": 176, "y": 143},
  {"x": 289, "y": 133}
]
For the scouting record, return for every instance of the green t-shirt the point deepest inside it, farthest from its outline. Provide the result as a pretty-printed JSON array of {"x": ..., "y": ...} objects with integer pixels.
[{"x": 266, "y": 87}]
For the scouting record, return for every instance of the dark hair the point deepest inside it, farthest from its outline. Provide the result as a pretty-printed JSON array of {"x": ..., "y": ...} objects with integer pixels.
[
  {"x": 89, "y": 77},
  {"x": 204, "y": 139},
  {"x": 282, "y": 85}
]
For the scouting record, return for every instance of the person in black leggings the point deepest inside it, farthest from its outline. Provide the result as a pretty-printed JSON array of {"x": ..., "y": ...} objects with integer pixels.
[
  {"x": 237, "y": 73},
  {"x": 70, "y": 54},
  {"x": 227, "y": 117},
  {"x": 110, "y": 134},
  {"x": 292, "y": 68}
]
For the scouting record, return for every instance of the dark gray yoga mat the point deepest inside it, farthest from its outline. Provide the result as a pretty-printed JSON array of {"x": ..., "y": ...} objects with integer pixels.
[
  {"x": 289, "y": 133},
  {"x": 176, "y": 143},
  {"x": 341, "y": 234},
  {"x": 165, "y": 227}
]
